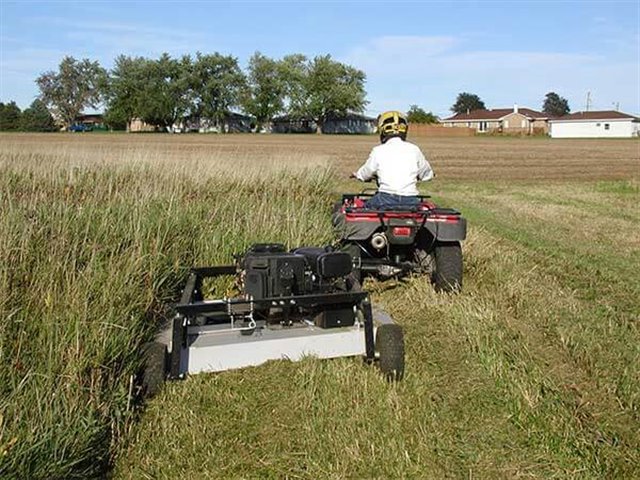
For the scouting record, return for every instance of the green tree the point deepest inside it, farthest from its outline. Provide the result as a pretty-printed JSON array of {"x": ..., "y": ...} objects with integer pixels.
[
  {"x": 165, "y": 96},
  {"x": 9, "y": 117},
  {"x": 419, "y": 115},
  {"x": 467, "y": 102},
  {"x": 334, "y": 88},
  {"x": 75, "y": 86},
  {"x": 125, "y": 90},
  {"x": 294, "y": 71},
  {"x": 216, "y": 85},
  {"x": 37, "y": 118},
  {"x": 554, "y": 105},
  {"x": 264, "y": 96},
  {"x": 322, "y": 87}
]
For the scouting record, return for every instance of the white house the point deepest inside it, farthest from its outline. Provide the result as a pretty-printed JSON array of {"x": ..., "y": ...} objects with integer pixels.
[{"x": 602, "y": 124}]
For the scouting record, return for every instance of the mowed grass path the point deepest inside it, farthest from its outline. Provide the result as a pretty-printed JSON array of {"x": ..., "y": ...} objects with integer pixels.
[{"x": 533, "y": 371}]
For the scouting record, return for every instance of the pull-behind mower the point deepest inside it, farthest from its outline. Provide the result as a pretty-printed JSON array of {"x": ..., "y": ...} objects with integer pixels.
[{"x": 290, "y": 305}]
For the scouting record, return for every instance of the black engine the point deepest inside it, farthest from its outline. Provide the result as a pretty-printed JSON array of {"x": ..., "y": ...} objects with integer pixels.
[{"x": 268, "y": 270}]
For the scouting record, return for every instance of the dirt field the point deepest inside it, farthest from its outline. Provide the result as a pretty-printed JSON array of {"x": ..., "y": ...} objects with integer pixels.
[{"x": 477, "y": 158}]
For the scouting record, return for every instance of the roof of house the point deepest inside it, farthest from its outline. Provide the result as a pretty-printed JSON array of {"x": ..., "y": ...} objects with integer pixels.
[
  {"x": 595, "y": 115},
  {"x": 494, "y": 114}
]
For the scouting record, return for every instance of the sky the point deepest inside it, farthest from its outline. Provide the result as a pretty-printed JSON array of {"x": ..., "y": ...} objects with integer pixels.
[{"x": 420, "y": 52}]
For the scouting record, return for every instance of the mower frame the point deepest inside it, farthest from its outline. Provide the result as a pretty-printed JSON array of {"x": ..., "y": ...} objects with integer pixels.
[{"x": 232, "y": 340}]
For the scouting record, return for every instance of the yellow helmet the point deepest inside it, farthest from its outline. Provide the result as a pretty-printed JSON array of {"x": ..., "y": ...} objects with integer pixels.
[{"x": 392, "y": 124}]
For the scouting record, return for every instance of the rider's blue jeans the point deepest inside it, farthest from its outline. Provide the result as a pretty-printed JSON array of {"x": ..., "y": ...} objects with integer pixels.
[{"x": 383, "y": 200}]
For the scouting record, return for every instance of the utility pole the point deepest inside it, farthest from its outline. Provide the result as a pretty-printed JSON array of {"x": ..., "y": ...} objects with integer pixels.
[{"x": 588, "y": 101}]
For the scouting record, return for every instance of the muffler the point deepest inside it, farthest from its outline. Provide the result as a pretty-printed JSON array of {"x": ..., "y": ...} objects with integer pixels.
[{"x": 379, "y": 241}]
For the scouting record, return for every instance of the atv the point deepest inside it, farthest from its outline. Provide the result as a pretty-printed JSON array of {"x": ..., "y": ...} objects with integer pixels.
[{"x": 384, "y": 243}]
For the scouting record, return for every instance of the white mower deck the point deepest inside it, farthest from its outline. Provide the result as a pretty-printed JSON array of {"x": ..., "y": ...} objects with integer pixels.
[{"x": 217, "y": 348}]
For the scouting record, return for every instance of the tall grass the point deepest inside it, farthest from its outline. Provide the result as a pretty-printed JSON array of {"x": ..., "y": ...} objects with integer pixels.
[{"x": 92, "y": 245}]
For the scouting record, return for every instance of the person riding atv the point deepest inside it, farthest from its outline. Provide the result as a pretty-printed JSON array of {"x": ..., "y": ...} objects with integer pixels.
[{"x": 396, "y": 164}]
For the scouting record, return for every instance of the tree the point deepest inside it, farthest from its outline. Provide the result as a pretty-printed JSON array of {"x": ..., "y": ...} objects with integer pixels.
[
  {"x": 9, "y": 117},
  {"x": 76, "y": 86},
  {"x": 320, "y": 88},
  {"x": 37, "y": 118},
  {"x": 334, "y": 88},
  {"x": 467, "y": 102},
  {"x": 418, "y": 115},
  {"x": 165, "y": 95},
  {"x": 264, "y": 96},
  {"x": 125, "y": 90},
  {"x": 554, "y": 105},
  {"x": 294, "y": 73},
  {"x": 217, "y": 84}
]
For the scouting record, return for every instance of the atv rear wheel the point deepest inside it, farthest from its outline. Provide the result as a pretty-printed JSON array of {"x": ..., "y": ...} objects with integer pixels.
[
  {"x": 390, "y": 348},
  {"x": 447, "y": 276}
]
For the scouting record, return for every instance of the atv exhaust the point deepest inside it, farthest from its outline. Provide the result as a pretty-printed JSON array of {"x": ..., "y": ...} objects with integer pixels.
[{"x": 379, "y": 241}]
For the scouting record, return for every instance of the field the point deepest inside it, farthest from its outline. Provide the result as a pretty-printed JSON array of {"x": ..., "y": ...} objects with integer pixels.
[{"x": 533, "y": 371}]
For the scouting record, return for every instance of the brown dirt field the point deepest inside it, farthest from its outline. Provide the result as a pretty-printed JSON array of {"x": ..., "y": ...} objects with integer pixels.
[{"x": 466, "y": 159}]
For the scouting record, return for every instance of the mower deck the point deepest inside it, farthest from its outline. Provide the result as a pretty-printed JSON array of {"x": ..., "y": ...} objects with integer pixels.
[{"x": 217, "y": 348}]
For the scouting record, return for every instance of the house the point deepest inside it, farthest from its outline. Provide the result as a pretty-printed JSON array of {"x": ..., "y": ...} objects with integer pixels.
[
  {"x": 522, "y": 121},
  {"x": 232, "y": 122},
  {"x": 595, "y": 124},
  {"x": 349, "y": 123},
  {"x": 88, "y": 122},
  {"x": 139, "y": 125},
  {"x": 287, "y": 124}
]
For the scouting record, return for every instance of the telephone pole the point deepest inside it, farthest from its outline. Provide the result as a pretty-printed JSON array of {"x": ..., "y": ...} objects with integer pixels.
[{"x": 588, "y": 101}]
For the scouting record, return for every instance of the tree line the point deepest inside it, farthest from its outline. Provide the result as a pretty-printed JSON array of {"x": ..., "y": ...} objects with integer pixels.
[{"x": 166, "y": 90}]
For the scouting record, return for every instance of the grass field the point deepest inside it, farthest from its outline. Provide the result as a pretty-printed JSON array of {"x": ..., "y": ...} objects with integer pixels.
[{"x": 533, "y": 371}]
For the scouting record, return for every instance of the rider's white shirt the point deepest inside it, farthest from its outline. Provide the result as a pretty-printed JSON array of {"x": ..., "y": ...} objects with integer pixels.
[{"x": 398, "y": 165}]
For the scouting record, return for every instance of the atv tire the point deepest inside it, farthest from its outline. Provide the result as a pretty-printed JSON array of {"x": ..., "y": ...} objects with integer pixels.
[
  {"x": 153, "y": 368},
  {"x": 390, "y": 348},
  {"x": 447, "y": 275}
]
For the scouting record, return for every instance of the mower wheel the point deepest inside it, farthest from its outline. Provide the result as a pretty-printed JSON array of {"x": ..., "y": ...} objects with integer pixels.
[
  {"x": 447, "y": 275},
  {"x": 153, "y": 368},
  {"x": 390, "y": 348}
]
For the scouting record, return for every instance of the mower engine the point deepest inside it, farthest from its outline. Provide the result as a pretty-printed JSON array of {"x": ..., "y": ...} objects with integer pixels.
[{"x": 268, "y": 270}]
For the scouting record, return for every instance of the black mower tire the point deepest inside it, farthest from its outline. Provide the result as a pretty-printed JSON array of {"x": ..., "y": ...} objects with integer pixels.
[
  {"x": 447, "y": 275},
  {"x": 390, "y": 348},
  {"x": 153, "y": 368}
]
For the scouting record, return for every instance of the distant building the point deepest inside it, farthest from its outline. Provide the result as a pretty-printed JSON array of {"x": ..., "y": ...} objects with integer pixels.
[
  {"x": 88, "y": 122},
  {"x": 598, "y": 124},
  {"x": 349, "y": 123},
  {"x": 522, "y": 121},
  {"x": 288, "y": 124},
  {"x": 138, "y": 125},
  {"x": 232, "y": 122}
]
